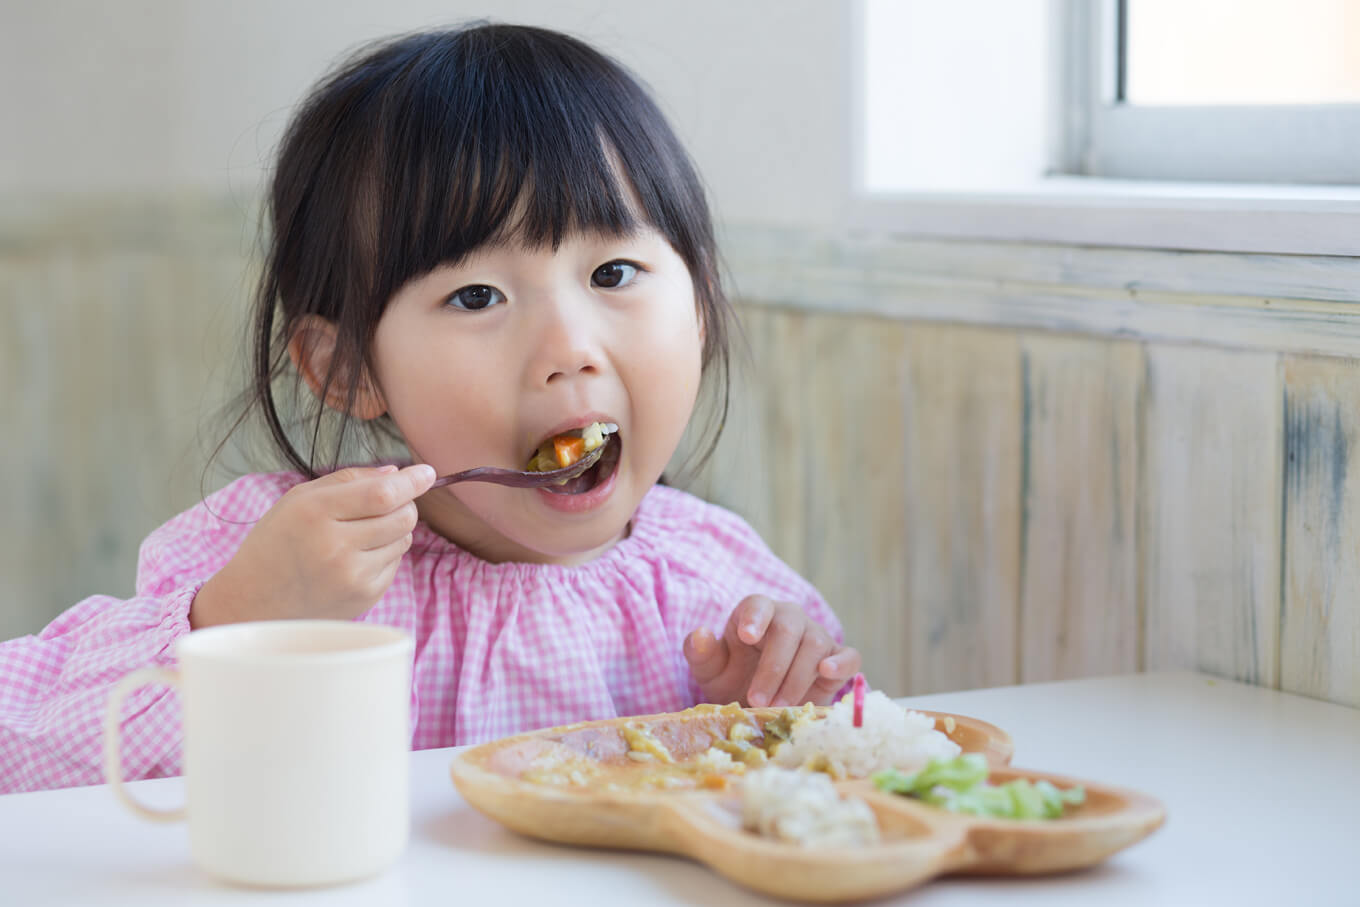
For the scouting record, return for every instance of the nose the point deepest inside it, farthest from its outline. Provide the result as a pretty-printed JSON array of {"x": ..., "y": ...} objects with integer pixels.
[{"x": 569, "y": 341}]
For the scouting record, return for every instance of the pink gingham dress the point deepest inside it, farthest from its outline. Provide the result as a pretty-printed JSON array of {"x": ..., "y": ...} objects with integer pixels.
[{"x": 500, "y": 648}]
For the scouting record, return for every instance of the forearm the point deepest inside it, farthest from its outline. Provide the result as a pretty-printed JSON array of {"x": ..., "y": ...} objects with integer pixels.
[{"x": 54, "y": 688}]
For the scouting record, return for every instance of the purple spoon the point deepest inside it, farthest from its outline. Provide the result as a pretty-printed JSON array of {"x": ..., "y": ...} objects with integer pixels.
[{"x": 516, "y": 478}]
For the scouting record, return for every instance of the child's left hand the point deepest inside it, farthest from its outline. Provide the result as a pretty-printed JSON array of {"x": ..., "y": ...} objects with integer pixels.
[{"x": 771, "y": 653}]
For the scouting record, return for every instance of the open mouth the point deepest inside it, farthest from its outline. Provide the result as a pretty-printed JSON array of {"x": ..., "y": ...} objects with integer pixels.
[
  {"x": 597, "y": 435},
  {"x": 592, "y": 477}
]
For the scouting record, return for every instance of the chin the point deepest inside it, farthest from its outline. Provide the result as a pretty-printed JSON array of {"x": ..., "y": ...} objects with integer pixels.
[{"x": 580, "y": 536}]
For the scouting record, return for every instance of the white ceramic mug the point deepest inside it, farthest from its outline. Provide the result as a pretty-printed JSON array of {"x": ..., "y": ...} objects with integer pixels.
[{"x": 296, "y": 749}]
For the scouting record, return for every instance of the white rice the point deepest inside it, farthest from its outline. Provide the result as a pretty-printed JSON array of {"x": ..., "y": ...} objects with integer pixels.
[
  {"x": 804, "y": 808},
  {"x": 891, "y": 737}
]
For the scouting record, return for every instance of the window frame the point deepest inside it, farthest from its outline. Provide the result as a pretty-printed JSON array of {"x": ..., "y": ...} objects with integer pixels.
[
  {"x": 1064, "y": 205},
  {"x": 1305, "y": 144}
]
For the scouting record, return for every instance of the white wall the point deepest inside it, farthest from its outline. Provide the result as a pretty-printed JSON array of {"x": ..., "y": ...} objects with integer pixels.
[
  {"x": 190, "y": 95},
  {"x": 957, "y": 96}
]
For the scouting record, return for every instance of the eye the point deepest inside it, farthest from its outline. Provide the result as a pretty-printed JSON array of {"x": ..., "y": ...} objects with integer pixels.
[
  {"x": 474, "y": 298},
  {"x": 614, "y": 274}
]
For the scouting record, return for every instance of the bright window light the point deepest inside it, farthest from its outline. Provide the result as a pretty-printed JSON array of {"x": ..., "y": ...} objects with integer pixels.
[{"x": 1241, "y": 52}]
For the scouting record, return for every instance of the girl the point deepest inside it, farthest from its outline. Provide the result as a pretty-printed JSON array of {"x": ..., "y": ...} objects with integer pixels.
[{"x": 480, "y": 239}]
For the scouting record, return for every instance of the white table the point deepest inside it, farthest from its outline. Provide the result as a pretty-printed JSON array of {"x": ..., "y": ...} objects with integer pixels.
[{"x": 1262, "y": 791}]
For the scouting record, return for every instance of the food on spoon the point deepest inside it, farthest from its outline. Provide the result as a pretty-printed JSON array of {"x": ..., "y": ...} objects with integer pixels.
[
  {"x": 560, "y": 451},
  {"x": 568, "y": 449},
  {"x": 960, "y": 785},
  {"x": 804, "y": 808}
]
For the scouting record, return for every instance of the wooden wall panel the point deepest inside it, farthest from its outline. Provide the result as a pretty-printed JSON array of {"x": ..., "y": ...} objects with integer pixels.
[
  {"x": 79, "y": 362},
  {"x": 115, "y": 362},
  {"x": 1301, "y": 304},
  {"x": 782, "y": 468},
  {"x": 1080, "y": 602},
  {"x": 1212, "y": 504},
  {"x": 962, "y": 542},
  {"x": 1320, "y": 625},
  {"x": 856, "y": 535}
]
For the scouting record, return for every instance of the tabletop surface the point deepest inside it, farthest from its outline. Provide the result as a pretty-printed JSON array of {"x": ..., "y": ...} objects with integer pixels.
[{"x": 1262, "y": 791}]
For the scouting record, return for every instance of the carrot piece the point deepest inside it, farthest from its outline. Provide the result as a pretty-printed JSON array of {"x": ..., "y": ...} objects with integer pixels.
[{"x": 568, "y": 449}]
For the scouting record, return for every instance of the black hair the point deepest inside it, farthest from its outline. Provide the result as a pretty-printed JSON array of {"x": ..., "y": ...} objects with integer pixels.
[{"x": 420, "y": 149}]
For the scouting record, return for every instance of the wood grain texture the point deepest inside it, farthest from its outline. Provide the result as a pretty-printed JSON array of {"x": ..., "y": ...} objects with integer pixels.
[
  {"x": 1276, "y": 303},
  {"x": 776, "y": 264},
  {"x": 1320, "y": 621},
  {"x": 1080, "y": 602},
  {"x": 856, "y": 536},
  {"x": 1212, "y": 512},
  {"x": 779, "y": 351},
  {"x": 115, "y": 366},
  {"x": 962, "y": 544}
]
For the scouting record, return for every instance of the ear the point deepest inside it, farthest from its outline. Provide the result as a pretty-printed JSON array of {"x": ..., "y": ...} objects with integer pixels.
[{"x": 312, "y": 347}]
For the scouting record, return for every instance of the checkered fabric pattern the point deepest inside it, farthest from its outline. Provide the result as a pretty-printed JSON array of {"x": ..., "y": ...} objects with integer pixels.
[{"x": 500, "y": 648}]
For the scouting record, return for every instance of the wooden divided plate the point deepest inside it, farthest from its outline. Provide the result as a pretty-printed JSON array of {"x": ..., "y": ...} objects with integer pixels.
[{"x": 579, "y": 785}]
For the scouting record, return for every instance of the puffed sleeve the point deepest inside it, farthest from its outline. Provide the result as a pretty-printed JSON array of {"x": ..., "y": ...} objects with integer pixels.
[{"x": 55, "y": 686}]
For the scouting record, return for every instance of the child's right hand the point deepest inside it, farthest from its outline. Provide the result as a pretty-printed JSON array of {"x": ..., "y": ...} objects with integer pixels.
[{"x": 329, "y": 548}]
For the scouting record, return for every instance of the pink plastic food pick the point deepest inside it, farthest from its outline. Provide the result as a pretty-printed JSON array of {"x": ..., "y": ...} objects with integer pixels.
[{"x": 859, "y": 700}]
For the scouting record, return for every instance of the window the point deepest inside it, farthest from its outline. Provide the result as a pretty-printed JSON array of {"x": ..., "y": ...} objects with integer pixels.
[
  {"x": 1223, "y": 125},
  {"x": 1217, "y": 90}
]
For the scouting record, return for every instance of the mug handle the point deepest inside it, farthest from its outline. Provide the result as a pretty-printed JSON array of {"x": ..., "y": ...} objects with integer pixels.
[{"x": 113, "y": 739}]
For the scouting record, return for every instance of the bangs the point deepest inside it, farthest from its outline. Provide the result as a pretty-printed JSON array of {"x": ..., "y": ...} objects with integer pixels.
[
  {"x": 504, "y": 137},
  {"x": 504, "y": 200}
]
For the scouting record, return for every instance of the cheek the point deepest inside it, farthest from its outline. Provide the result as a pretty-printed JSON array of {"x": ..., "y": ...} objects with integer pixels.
[
  {"x": 444, "y": 397},
  {"x": 668, "y": 375}
]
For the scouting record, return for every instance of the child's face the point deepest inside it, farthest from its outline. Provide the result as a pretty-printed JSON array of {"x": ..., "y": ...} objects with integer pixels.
[{"x": 480, "y": 363}]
